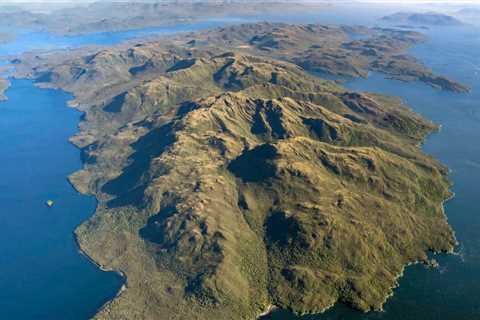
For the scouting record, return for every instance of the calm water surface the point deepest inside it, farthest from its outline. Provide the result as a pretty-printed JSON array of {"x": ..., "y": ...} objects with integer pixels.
[{"x": 42, "y": 274}]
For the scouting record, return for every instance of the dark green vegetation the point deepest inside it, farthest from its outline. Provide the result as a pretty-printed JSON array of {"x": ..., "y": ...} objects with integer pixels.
[
  {"x": 425, "y": 19},
  {"x": 230, "y": 180}
]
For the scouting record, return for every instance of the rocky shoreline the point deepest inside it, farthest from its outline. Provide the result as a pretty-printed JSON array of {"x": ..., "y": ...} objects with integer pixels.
[{"x": 169, "y": 139}]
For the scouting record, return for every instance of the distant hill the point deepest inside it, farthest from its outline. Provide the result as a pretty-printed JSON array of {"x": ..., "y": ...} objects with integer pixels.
[
  {"x": 108, "y": 16},
  {"x": 468, "y": 13},
  {"x": 426, "y": 19}
]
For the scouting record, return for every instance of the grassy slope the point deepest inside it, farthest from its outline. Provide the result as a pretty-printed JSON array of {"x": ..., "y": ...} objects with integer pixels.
[
  {"x": 228, "y": 182},
  {"x": 343, "y": 51},
  {"x": 297, "y": 194},
  {"x": 331, "y": 49}
]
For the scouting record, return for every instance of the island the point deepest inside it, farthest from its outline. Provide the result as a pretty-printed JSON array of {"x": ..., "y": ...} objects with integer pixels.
[
  {"x": 424, "y": 19},
  {"x": 231, "y": 178}
]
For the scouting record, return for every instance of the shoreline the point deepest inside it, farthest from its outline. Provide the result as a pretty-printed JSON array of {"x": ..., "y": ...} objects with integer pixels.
[
  {"x": 101, "y": 267},
  {"x": 411, "y": 263},
  {"x": 268, "y": 311},
  {"x": 122, "y": 279},
  {"x": 81, "y": 250},
  {"x": 73, "y": 103},
  {"x": 124, "y": 286}
]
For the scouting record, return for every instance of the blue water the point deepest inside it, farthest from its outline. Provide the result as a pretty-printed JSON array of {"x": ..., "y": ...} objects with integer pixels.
[
  {"x": 42, "y": 274},
  {"x": 451, "y": 292}
]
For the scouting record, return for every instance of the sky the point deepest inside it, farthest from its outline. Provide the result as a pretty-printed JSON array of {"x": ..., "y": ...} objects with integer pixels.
[
  {"x": 376, "y": 1},
  {"x": 456, "y": 2}
]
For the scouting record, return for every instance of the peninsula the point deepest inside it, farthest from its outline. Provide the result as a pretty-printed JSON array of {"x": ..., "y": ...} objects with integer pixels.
[{"x": 230, "y": 178}]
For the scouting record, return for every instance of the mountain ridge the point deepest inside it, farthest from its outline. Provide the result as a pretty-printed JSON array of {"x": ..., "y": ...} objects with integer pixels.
[
  {"x": 341, "y": 51},
  {"x": 229, "y": 181}
]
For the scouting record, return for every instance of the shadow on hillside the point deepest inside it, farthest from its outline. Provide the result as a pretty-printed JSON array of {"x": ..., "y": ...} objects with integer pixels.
[
  {"x": 153, "y": 230},
  {"x": 254, "y": 165},
  {"x": 129, "y": 187}
]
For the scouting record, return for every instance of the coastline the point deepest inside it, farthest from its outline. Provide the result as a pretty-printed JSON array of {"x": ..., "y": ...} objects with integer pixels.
[
  {"x": 81, "y": 250},
  {"x": 72, "y": 103},
  {"x": 5, "y": 84},
  {"x": 38, "y": 126},
  {"x": 269, "y": 310},
  {"x": 101, "y": 267},
  {"x": 427, "y": 262}
]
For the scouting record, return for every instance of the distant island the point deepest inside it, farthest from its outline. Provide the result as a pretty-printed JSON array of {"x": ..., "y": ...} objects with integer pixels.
[
  {"x": 230, "y": 179},
  {"x": 424, "y": 19}
]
